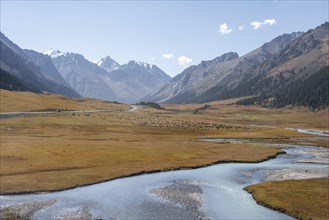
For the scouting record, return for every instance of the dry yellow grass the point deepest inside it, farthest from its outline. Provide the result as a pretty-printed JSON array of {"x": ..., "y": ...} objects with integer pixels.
[
  {"x": 48, "y": 153},
  {"x": 28, "y": 102},
  {"x": 284, "y": 118},
  {"x": 302, "y": 199},
  {"x": 220, "y": 111}
]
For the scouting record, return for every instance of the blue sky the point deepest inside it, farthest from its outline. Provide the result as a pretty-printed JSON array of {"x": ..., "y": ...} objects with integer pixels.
[{"x": 170, "y": 34}]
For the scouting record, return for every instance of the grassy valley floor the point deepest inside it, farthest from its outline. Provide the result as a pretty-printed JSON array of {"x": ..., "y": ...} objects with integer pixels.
[
  {"x": 302, "y": 199},
  {"x": 57, "y": 152},
  {"x": 65, "y": 150}
]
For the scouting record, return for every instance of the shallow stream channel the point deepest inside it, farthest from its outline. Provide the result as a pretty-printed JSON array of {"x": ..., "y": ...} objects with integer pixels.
[{"x": 214, "y": 192}]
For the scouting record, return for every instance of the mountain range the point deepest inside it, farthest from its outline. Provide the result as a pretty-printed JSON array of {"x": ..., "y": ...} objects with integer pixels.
[
  {"x": 82, "y": 75},
  {"x": 261, "y": 74},
  {"x": 287, "y": 63},
  {"x": 106, "y": 79},
  {"x": 71, "y": 74},
  {"x": 135, "y": 80}
]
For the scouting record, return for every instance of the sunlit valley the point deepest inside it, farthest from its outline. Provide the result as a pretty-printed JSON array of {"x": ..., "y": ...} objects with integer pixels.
[{"x": 243, "y": 135}]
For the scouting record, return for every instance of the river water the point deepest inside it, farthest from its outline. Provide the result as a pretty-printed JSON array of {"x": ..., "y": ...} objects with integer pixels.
[{"x": 222, "y": 194}]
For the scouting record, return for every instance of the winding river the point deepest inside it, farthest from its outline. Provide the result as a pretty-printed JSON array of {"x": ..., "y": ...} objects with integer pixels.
[{"x": 221, "y": 194}]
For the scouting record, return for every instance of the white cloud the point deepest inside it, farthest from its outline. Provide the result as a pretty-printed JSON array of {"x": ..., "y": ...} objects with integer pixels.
[
  {"x": 270, "y": 21},
  {"x": 168, "y": 56},
  {"x": 184, "y": 61},
  {"x": 152, "y": 58},
  {"x": 242, "y": 27},
  {"x": 257, "y": 25},
  {"x": 223, "y": 29}
]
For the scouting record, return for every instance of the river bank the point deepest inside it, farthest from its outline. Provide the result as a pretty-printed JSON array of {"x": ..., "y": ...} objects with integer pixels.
[
  {"x": 301, "y": 199},
  {"x": 149, "y": 172},
  {"x": 207, "y": 192}
]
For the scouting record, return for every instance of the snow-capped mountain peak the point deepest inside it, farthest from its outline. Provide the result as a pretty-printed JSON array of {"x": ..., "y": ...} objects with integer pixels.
[
  {"x": 107, "y": 63},
  {"x": 141, "y": 64},
  {"x": 54, "y": 53}
]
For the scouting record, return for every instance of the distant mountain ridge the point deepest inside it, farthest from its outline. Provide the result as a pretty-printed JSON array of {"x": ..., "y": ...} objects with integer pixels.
[
  {"x": 264, "y": 70},
  {"x": 82, "y": 75},
  {"x": 134, "y": 80},
  {"x": 106, "y": 79}
]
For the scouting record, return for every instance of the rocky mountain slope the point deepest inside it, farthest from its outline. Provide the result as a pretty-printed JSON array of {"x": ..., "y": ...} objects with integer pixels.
[
  {"x": 301, "y": 68},
  {"x": 214, "y": 79},
  {"x": 46, "y": 66},
  {"x": 261, "y": 72},
  {"x": 309, "y": 91},
  {"x": 18, "y": 72},
  {"x": 12, "y": 83}
]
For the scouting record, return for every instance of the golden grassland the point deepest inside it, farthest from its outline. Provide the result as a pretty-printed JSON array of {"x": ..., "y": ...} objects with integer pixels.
[
  {"x": 53, "y": 152},
  {"x": 49, "y": 153},
  {"x": 252, "y": 115},
  {"x": 302, "y": 199},
  {"x": 28, "y": 102}
]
